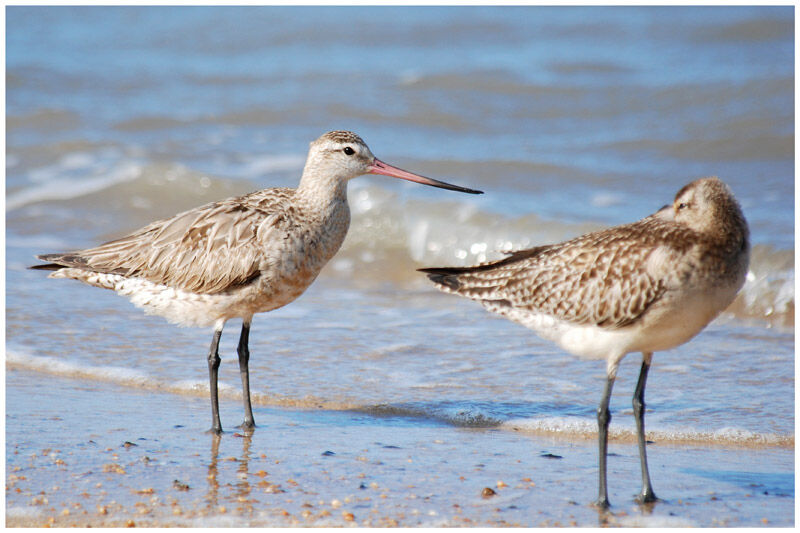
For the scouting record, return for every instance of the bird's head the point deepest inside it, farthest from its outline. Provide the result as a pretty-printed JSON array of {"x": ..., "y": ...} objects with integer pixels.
[
  {"x": 708, "y": 206},
  {"x": 343, "y": 155}
]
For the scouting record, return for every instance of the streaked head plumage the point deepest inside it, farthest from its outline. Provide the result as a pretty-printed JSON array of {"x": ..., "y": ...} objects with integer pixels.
[
  {"x": 339, "y": 153},
  {"x": 708, "y": 206}
]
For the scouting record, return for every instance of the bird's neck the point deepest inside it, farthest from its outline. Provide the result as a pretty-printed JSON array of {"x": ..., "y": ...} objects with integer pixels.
[
  {"x": 729, "y": 228},
  {"x": 323, "y": 203},
  {"x": 320, "y": 190}
]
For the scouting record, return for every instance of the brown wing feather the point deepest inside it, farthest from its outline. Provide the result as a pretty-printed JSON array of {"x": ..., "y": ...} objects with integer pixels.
[
  {"x": 207, "y": 250},
  {"x": 579, "y": 281}
]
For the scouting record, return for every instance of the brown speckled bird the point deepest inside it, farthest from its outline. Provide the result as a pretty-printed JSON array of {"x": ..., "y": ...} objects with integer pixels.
[
  {"x": 236, "y": 257},
  {"x": 641, "y": 287}
]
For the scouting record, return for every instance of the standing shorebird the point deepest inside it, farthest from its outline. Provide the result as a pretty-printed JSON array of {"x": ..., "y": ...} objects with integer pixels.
[
  {"x": 236, "y": 257},
  {"x": 642, "y": 287}
]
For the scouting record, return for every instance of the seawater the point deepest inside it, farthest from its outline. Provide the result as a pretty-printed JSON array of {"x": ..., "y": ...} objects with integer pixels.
[{"x": 571, "y": 120}]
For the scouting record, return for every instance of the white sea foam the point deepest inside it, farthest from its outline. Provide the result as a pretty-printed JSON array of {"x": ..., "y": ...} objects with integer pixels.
[
  {"x": 655, "y": 521},
  {"x": 66, "y": 188},
  {"x": 22, "y": 512},
  {"x": 558, "y": 425},
  {"x": 127, "y": 377},
  {"x": 770, "y": 287},
  {"x": 53, "y": 365},
  {"x": 257, "y": 167},
  {"x": 606, "y": 199},
  {"x": 190, "y": 385},
  {"x": 587, "y": 427}
]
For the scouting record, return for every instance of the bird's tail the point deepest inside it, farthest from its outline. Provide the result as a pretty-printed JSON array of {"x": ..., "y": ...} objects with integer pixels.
[
  {"x": 48, "y": 266},
  {"x": 59, "y": 261},
  {"x": 480, "y": 282},
  {"x": 446, "y": 278}
]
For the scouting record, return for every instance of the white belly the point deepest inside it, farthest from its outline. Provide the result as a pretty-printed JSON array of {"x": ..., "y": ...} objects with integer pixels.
[
  {"x": 177, "y": 306},
  {"x": 670, "y": 323}
]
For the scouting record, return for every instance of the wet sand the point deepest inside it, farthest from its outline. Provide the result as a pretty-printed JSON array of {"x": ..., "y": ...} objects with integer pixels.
[{"x": 82, "y": 453}]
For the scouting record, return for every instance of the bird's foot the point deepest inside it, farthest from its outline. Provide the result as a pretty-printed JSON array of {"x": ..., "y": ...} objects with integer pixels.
[
  {"x": 601, "y": 504},
  {"x": 214, "y": 431},
  {"x": 247, "y": 426},
  {"x": 647, "y": 497}
]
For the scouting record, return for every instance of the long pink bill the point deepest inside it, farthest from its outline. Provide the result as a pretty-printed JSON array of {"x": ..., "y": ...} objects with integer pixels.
[{"x": 379, "y": 167}]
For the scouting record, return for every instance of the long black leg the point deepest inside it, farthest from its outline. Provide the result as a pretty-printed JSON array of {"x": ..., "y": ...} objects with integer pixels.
[
  {"x": 244, "y": 371},
  {"x": 603, "y": 419},
  {"x": 647, "y": 495},
  {"x": 213, "y": 367}
]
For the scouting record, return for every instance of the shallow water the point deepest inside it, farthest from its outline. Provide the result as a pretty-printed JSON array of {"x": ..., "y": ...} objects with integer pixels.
[
  {"x": 105, "y": 465},
  {"x": 571, "y": 119}
]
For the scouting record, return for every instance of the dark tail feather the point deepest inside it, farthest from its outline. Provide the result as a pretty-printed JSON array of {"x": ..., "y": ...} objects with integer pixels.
[
  {"x": 445, "y": 276},
  {"x": 48, "y": 266},
  {"x": 448, "y": 276},
  {"x": 59, "y": 261}
]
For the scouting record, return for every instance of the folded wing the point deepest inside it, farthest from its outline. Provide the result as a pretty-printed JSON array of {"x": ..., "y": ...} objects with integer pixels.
[
  {"x": 206, "y": 250},
  {"x": 608, "y": 278}
]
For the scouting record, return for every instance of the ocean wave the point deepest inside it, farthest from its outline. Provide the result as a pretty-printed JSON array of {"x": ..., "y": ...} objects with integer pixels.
[
  {"x": 65, "y": 188},
  {"x": 256, "y": 167},
  {"x": 586, "y": 428},
  {"x": 456, "y": 414},
  {"x": 21, "y": 359},
  {"x": 48, "y": 119},
  {"x": 758, "y": 29},
  {"x": 768, "y": 293},
  {"x": 97, "y": 173}
]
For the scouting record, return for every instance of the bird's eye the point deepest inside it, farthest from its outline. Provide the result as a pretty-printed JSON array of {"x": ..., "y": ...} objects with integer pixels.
[
  {"x": 349, "y": 151},
  {"x": 683, "y": 206}
]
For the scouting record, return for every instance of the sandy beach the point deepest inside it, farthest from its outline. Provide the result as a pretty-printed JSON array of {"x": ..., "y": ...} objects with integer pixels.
[{"x": 95, "y": 455}]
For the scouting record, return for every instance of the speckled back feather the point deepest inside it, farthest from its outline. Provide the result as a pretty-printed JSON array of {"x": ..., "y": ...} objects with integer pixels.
[{"x": 579, "y": 281}]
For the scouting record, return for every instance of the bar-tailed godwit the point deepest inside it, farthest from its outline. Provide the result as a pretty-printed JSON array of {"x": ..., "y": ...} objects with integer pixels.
[
  {"x": 641, "y": 287},
  {"x": 239, "y": 256}
]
